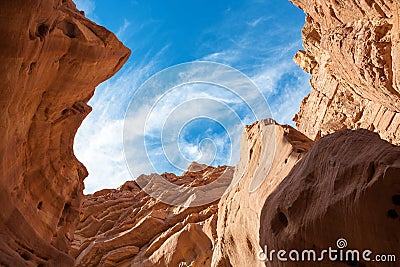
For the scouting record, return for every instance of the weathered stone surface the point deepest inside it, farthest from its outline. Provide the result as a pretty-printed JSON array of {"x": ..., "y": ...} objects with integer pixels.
[
  {"x": 239, "y": 211},
  {"x": 127, "y": 227},
  {"x": 352, "y": 51},
  {"x": 52, "y": 58},
  {"x": 346, "y": 186}
]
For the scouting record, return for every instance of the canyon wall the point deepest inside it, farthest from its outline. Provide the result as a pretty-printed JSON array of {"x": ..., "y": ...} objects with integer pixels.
[
  {"x": 346, "y": 188},
  {"x": 352, "y": 51},
  {"x": 239, "y": 211},
  {"x": 52, "y": 58},
  {"x": 304, "y": 195},
  {"x": 127, "y": 227}
]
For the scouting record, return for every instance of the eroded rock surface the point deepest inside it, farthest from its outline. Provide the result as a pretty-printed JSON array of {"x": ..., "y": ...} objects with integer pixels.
[
  {"x": 239, "y": 211},
  {"x": 303, "y": 196},
  {"x": 347, "y": 186},
  {"x": 127, "y": 227},
  {"x": 352, "y": 51},
  {"x": 52, "y": 58}
]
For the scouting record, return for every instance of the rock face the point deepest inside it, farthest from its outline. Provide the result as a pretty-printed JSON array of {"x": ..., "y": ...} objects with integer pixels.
[
  {"x": 347, "y": 186},
  {"x": 52, "y": 58},
  {"x": 239, "y": 211},
  {"x": 127, "y": 227},
  {"x": 352, "y": 51}
]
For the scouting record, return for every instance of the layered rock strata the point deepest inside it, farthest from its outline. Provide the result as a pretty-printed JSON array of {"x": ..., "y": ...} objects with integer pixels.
[
  {"x": 303, "y": 196},
  {"x": 352, "y": 51},
  {"x": 127, "y": 227},
  {"x": 52, "y": 58}
]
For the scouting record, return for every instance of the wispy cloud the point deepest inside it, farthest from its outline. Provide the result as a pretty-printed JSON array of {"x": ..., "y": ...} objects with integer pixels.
[
  {"x": 257, "y": 21},
  {"x": 86, "y": 5},
  {"x": 122, "y": 30},
  {"x": 260, "y": 52},
  {"x": 99, "y": 141}
]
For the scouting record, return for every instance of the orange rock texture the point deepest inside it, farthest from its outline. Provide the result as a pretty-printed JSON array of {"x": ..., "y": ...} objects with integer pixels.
[
  {"x": 347, "y": 186},
  {"x": 303, "y": 196},
  {"x": 352, "y": 51},
  {"x": 239, "y": 211},
  {"x": 52, "y": 58},
  {"x": 127, "y": 227}
]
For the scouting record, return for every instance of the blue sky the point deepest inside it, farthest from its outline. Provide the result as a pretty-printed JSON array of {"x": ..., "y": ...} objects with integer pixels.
[{"x": 258, "y": 38}]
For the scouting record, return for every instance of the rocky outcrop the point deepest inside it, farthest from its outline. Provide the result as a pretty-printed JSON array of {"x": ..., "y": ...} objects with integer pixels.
[
  {"x": 127, "y": 227},
  {"x": 346, "y": 187},
  {"x": 285, "y": 190},
  {"x": 52, "y": 58},
  {"x": 352, "y": 51},
  {"x": 239, "y": 211}
]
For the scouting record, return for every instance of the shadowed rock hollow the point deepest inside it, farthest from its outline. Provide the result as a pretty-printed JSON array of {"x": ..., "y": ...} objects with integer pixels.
[{"x": 344, "y": 187}]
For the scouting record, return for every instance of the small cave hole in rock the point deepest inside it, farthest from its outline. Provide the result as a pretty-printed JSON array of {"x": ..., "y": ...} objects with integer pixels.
[
  {"x": 283, "y": 219},
  {"x": 39, "y": 205},
  {"x": 279, "y": 222},
  {"x": 392, "y": 214},
  {"x": 25, "y": 256},
  {"x": 70, "y": 30},
  {"x": 396, "y": 200},
  {"x": 64, "y": 214},
  {"x": 251, "y": 153},
  {"x": 32, "y": 67},
  {"x": 42, "y": 30},
  {"x": 64, "y": 112},
  {"x": 249, "y": 245}
]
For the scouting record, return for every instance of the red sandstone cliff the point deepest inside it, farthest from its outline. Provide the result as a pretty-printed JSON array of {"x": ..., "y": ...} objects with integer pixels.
[
  {"x": 352, "y": 51},
  {"x": 52, "y": 58}
]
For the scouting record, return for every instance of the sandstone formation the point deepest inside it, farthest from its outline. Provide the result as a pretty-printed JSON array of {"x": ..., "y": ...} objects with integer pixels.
[
  {"x": 239, "y": 211},
  {"x": 303, "y": 196},
  {"x": 352, "y": 51},
  {"x": 346, "y": 186},
  {"x": 52, "y": 58},
  {"x": 127, "y": 227}
]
